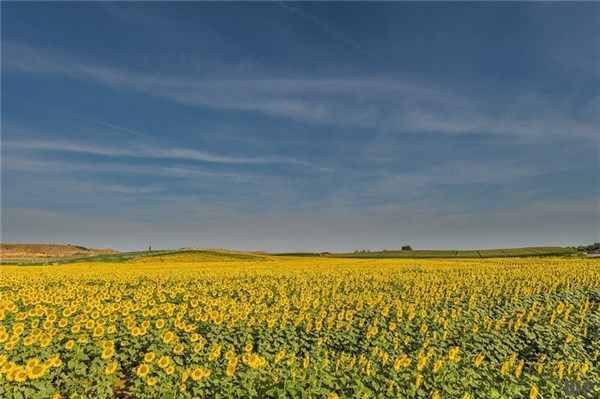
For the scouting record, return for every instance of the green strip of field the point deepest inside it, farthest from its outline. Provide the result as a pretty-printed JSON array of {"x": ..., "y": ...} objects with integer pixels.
[
  {"x": 483, "y": 253},
  {"x": 417, "y": 254}
]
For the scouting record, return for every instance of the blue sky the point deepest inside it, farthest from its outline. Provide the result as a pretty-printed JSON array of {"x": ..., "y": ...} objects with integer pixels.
[{"x": 301, "y": 126}]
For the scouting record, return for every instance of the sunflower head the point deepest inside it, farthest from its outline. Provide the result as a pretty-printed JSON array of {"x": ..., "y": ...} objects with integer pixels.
[
  {"x": 111, "y": 368},
  {"x": 164, "y": 362},
  {"x": 107, "y": 353},
  {"x": 149, "y": 357},
  {"x": 143, "y": 370},
  {"x": 36, "y": 372}
]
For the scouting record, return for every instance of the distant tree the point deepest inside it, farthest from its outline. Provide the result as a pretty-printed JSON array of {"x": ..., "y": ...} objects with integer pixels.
[
  {"x": 594, "y": 247},
  {"x": 406, "y": 248}
]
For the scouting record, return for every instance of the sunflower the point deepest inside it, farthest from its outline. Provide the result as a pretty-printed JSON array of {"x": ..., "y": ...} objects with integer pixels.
[
  {"x": 519, "y": 368},
  {"x": 279, "y": 356},
  {"x": 421, "y": 362},
  {"x": 253, "y": 360},
  {"x": 418, "y": 381},
  {"x": 45, "y": 341},
  {"x": 197, "y": 348},
  {"x": 200, "y": 373},
  {"x": 111, "y": 368},
  {"x": 402, "y": 362},
  {"x": 54, "y": 361},
  {"x": 107, "y": 353},
  {"x": 168, "y": 337},
  {"x": 142, "y": 370},
  {"x": 534, "y": 392},
  {"x": 479, "y": 359},
  {"x": 31, "y": 363},
  {"x": 20, "y": 375},
  {"x": 164, "y": 362},
  {"x": 7, "y": 367},
  {"x": 36, "y": 372},
  {"x": 453, "y": 354},
  {"x": 231, "y": 366},
  {"x": 438, "y": 365},
  {"x": 149, "y": 357},
  {"x": 178, "y": 349},
  {"x": 98, "y": 331},
  {"x": 18, "y": 329},
  {"x": 184, "y": 376}
]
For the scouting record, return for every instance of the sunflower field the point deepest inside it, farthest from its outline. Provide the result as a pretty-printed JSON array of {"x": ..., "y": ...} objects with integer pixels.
[{"x": 230, "y": 326}]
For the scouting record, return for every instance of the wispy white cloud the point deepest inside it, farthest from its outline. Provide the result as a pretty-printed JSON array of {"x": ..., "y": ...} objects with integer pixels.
[
  {"x": 65, "y": 146},
  {"x": 370, "y": 102},
  {"x": 61, "y": 167},
  {"x": 181, "y": 154},
  {"x": 123, "y": 189},
  {"x": 78, "y": 186},
  {"x": 117, "y": 128}
]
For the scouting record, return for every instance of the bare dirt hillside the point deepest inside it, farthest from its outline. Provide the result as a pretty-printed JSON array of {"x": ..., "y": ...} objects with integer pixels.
[{"x": 43, "y": 251}]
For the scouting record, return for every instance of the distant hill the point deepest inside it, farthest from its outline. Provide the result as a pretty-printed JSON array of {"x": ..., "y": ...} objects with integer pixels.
[
  {"x": 189, "y": 255},
  {"x": 48, "y": 251},
  {"x": 73, "y": 253}
]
